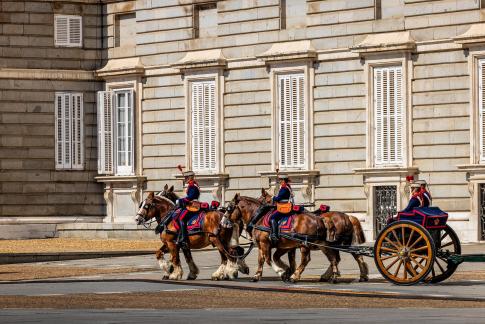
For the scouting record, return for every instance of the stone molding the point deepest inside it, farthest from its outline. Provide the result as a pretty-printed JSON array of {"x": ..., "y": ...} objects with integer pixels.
[
  {"x": 122, "y": 67},
  {"x": 46, "y": 74},
  {"x": 473, "y": 36},
  {"x": 216, "y": 182},
  {"x": 386, "y": 42},
  {"x": 289, "y": 51},
  {"x": 208, "y": 59}
]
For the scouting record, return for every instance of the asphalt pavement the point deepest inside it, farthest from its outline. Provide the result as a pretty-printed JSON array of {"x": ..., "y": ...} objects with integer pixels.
[{"x": 342, "y": 315}]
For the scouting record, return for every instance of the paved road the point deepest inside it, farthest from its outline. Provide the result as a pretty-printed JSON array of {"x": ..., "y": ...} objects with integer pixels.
[
  {"x": 209, "y": 260},
  {"x": 398, "y": 315}
]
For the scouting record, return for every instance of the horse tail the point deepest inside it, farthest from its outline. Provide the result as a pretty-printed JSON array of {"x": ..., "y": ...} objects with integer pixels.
[
  {"x": 358, "y": 236},
  {"x": 321, "y": 229}
]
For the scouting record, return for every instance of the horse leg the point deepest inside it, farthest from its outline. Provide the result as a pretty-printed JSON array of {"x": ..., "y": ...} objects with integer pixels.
[
  {"x": 279, "y": 266},
  {"x": 292, "y": 261},
  {"x": 219, "y": 273},
  {"x": 363, "y": 267},
  {"x": 194, "y": 271},
  {"x": 165, "y": 265},
  {"x": 259, "y": 273},
  {"x": 305, "y": 259},
  {"x": 332, "y": 272},
  {"x": 230, "y": 270},
  {"x": 178, "y": 272}
]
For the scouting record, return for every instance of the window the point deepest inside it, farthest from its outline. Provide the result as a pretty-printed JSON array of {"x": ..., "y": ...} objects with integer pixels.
[
  {"x": 389, "y": 9},
  {"x": 291, "y": 120},
  {"x": 203, "y": 127},
  {"x": 292, "y": 14},
  {"x": 68, "y": 31},
  {"x": 481, "y": 108},
  {"x": 69, "y": 131},
  {"x": 115, "y": 132},
  {"x": 125, "y": 30},
  {"x": 388, "y": 116},
  {"x": 205, "y": 20}
]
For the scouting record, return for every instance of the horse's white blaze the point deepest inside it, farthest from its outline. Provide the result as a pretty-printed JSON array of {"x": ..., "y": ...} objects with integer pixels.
[
  {"x": 280, "y": 271},
  {"x": 235, "y": 236}
]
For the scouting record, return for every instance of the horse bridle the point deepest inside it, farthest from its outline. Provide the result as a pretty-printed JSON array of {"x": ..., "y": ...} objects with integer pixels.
[{"x": 149, "y": 206}]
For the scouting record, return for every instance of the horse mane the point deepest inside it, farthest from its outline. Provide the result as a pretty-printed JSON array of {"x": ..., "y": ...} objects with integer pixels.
[
  {"x": 164, "y": 198},
  {"x": 254, "y": 200}
]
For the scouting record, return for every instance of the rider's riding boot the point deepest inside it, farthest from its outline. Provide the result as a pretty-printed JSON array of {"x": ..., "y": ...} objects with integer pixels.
[
  {"x": 274, "y": 231},
  {"x": 259, "y": 213},
  {"x": 183, "y": 235}
]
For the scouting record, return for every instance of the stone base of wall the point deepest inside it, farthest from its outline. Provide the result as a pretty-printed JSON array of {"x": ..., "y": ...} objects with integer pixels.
[
  {"x": 27, "y": 231},
  {"x": 104, "y": 231}
]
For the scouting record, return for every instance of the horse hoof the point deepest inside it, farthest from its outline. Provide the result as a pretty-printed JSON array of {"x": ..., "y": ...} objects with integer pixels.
[
  {"x": 254, "y": 279},
  {"x": 364, "y": 279},
  {"x": 245, "y": 271},
  {"x": 165, "y": 277},
  {"x": 324, "y": 279},
  {"x": 191, "y": 277},
  {"x": 334, "y": 280}
]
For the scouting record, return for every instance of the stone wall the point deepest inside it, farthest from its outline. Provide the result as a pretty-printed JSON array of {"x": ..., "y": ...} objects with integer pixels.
[{"x": 32, "y": 69}]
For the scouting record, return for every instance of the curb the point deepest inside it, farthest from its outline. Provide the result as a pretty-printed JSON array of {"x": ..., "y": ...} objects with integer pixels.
[
  {"x": 294, "y": 290},
  {"x": 11, "y": 258}
]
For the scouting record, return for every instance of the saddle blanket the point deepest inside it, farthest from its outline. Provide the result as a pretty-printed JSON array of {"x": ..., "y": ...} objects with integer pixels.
[
  {"x": 428, "y": 217},
  {"x": 285, "y": 224},
  {"x": 195, "y": 223}
]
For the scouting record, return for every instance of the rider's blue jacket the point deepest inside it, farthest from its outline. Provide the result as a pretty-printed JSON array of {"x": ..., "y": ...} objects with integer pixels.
[
  {"x": 415, "y": 202},
  {"x": 193, "y": 192},
  {"x": 283, "y": 194}
]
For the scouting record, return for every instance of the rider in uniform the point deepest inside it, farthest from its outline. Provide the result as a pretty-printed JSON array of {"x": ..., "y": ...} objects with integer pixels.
[
  {"x": 427, "y": 199},
  {"x": 285, "y": 194},
  {"x": 192, "y": 193},
  {"x": 416, "y": 199}
]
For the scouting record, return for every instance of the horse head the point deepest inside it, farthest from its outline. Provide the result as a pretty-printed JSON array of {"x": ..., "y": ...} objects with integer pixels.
[
  {"x": 168, "y": 193},
  {"x": 153, "y": 207},
  {"x": 232, "y": 210},
  {"x": 265, "y": 197}
]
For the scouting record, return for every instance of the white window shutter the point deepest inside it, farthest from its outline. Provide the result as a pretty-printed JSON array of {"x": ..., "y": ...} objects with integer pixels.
[
  {"x": 292, "y": 124},
  {"x": 388, "y": 116},
  {"x": 77, "y": 118},
  {"x": 61, "y": 26},
  {"x": 481, "y": 108},
  {"x": 75, "y": 31},
  {"x": 203, "y": 115},
  {"x": 105, "y": 132},
  {"x": 60, "y": 130},
  {"x": 68, "y": 30}
]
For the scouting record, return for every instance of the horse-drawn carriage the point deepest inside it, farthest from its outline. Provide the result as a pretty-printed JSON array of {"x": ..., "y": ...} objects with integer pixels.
[{"x": 415, "y": 247}]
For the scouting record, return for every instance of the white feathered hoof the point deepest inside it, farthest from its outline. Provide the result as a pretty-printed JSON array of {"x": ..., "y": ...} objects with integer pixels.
[
  {"x": 293, "y": 279},
  {"x": 231, "y": 271},
  {"x": 256, "y": 278},
  {"x": 176, "y": 274},
  {"x": 219, "y": 274}
]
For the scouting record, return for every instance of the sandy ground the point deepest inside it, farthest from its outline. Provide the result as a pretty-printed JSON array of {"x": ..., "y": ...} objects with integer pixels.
[
  {"x": 75, "y": 245},
  {"x": 218, "y": 298}
]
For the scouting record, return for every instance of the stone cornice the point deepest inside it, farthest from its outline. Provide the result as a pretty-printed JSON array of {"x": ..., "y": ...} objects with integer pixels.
[
  {"x": 289, "y": 51},
  {"x": 208, "y": 59},
  {"x": 118, "y": 179},
  {"x": 473, "y": 36},
  {"x": 386, "y": 42},
  {"x": 44, "y": 74},
  {"x": 121, "y": 67}
]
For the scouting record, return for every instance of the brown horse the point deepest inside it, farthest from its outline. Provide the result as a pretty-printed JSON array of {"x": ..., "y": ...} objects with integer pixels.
[
  {"x": 305, "y": 224},
  {"x": 212, "y": 233},
  {"x": 342, "y": 229}
]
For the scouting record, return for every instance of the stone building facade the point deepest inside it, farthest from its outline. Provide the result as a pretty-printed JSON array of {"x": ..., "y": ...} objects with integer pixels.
[{"x": 348, "y": 97}]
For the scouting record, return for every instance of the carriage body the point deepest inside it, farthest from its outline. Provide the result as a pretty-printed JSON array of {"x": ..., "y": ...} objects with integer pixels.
[{"x": 417, "y": 247}]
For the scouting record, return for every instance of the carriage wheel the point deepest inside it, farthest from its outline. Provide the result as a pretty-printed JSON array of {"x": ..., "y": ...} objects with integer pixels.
[
  {"x": 447, "y": 243},
  {"x": 404, "y": 253}
]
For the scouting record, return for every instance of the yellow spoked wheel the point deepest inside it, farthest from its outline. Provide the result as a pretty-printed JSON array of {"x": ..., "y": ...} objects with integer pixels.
[{"x": 404, "y": 253}]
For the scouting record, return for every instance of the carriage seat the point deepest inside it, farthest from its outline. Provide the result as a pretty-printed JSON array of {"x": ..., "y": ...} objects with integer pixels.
[{"x": 428, "y": 217}]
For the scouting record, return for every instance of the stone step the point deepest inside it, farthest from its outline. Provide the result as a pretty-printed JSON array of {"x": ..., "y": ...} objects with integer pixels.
[{"x": 104, "y": 231}]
